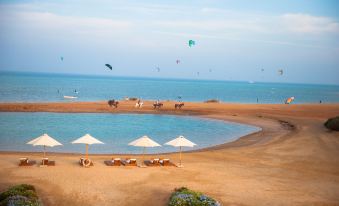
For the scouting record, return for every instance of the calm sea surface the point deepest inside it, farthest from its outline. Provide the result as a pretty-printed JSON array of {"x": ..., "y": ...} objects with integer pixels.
[
  {"x": 115, "y": 130},
  {"x": 36, "y": 87}
]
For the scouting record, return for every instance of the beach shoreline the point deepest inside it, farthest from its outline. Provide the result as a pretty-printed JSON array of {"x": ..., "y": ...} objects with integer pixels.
[{"x": 291, "y": 161}]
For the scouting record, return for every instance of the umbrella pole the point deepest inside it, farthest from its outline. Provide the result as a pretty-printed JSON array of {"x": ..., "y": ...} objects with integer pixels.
[
  {"x": 86, "y": 151},
  {"x": 180, "y": 156},
  {"x": 43, "y": 161},
  {"x": 143, "y": 155}
]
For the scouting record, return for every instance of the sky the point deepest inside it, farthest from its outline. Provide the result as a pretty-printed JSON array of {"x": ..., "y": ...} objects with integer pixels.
[{"x": 235, "y": 39}]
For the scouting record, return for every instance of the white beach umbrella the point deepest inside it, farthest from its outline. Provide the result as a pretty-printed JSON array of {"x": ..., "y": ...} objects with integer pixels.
[
  {"x": 88, "y": 140},
  {"x": 44, "y": 140},
  {"x": 180, "y": 141},
  {"x": 144, "y": 142},
  {"x": 33, "y": 140}
]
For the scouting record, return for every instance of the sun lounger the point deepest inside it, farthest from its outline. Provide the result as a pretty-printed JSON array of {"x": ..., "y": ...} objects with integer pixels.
[
  {"x": 25, "y": 162},
  {"x": 130, "y": 162},
  {"x": 166, "y": 162},
  {"x": 153, "y": 163},
  {"x": 46, "y": 162},
  {"x": 113, "y": 162},
  {"x": 84, "y": 162}
]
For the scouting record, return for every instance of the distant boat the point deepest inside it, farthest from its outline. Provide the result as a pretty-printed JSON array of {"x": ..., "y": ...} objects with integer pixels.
[{"x": 70, "y": 97}]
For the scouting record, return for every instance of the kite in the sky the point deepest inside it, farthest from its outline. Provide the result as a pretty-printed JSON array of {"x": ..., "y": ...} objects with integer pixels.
[
  {"x": 158, "y": 69},
  {"x": 178, "y": 61},
  {"x": 281, "y": 72},
  {"x": 109, "y": 66},
  {"x": 262, "y": 70},
  {"x": 198, "y": 73},
  {"x": 210, "y": 70},
  {"x": 191, "y": 43},
  {"x": 62, "y": 58}
]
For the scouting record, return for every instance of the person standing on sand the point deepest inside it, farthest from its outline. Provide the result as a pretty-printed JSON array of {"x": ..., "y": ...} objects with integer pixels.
[{"x": 139, "y": 103}]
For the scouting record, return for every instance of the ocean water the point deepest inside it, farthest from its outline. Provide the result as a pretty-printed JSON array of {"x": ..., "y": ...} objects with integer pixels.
[
  {"x": 115, "y": 130},
  {"x": 38, "y": 87}
]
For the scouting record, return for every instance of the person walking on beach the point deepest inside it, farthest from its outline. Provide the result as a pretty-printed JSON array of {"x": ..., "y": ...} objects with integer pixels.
[{"x": 139, "y": 103}]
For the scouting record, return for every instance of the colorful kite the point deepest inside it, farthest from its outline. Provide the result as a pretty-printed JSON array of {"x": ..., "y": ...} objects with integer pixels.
[{"x": 191, "y": 43}]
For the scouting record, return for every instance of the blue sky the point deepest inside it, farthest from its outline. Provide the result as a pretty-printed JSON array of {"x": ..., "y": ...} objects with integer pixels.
[{"x": 235, "y": 39}]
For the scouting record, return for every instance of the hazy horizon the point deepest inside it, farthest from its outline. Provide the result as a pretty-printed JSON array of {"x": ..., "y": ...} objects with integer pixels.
[
  {"x": 154, "y": 77},
  {"x": 235, "y": 40}
]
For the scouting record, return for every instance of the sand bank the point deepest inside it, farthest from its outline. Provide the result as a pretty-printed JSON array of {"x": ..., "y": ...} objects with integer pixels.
[{"x": 292, "y": 161}]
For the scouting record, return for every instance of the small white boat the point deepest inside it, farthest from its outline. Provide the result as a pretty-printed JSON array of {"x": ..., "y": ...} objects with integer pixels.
[{"x": 70, "y": 97}]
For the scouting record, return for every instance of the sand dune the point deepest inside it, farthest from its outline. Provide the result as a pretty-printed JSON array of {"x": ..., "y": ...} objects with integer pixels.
[{"x": 292, "y": 161}]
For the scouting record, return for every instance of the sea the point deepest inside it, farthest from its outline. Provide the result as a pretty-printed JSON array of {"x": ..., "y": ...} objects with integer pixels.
[
  {"x": 42, "y": 87},
  {"x": 117, "y": 130}
]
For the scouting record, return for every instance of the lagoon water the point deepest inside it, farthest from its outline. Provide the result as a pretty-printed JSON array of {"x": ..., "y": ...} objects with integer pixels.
[
  {"x": 116, "y": 130},
  {"x": 39, "y": 87}
]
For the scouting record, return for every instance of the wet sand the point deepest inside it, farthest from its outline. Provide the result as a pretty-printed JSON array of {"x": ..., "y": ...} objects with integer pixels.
[{"x": 294, "y": 160}]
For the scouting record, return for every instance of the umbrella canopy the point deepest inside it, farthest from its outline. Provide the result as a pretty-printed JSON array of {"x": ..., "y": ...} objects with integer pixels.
[
  {"x": 180, "y": 141},
  {"x": 44, "y": 140},
  {"x": 33, "y": 140},
  {"x": 87, "y": 139},
  {"x": 144, "y": 141}
]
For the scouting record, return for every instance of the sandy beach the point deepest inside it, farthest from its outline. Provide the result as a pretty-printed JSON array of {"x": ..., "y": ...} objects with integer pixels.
[{"x": 292, "y": 161}]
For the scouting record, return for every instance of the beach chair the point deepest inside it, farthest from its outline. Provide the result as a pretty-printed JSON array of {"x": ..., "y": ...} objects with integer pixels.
[
  {"x": 46, "y": 162},
  {"x": 25, "y": 162},
  {"x": 113, "y": 162},
  {"x": 166, "y": 162},
  {"x": 85, "y": 162},
  {"x": 153, "y": 162},
  {"x": 130, "y": 162}
]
